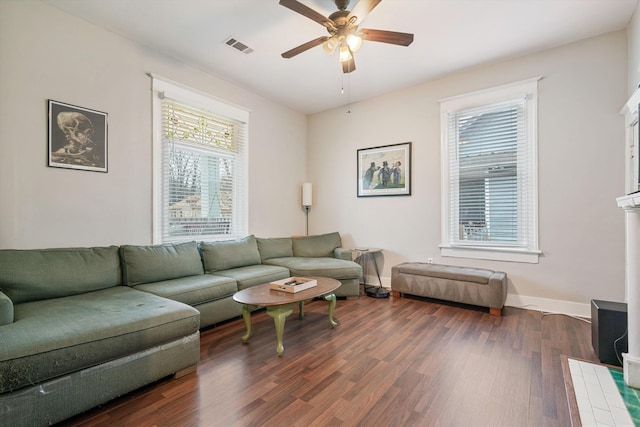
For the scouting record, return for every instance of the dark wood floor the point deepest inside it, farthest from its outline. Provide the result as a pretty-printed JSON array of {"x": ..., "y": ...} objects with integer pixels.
[{"x": 390, "y": 362}]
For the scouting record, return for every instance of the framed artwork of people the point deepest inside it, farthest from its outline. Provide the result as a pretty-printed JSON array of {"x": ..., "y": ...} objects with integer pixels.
[
  {"x": 385, "y": 170},
  {"x": 77, "y": 137}
]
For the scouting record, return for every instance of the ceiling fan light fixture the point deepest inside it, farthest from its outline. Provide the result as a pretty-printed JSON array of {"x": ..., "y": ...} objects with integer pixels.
[
  {"x": 343, "y": 28},
  {"x": 345, "y": 53},
  {"x": 330, "y": 45},
  {"x": 354, "y": 41}
]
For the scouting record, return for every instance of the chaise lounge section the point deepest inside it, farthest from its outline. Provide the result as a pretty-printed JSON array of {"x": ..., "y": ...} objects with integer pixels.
[
  {"x": 74, "y": 337},
  {"x": 321, "y": 255}
]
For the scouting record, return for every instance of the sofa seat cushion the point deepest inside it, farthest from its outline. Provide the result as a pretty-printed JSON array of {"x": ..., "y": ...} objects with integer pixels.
[
  {"x": 323, "y": 267},
  {"x": 255, "y": 275},
  {"x": 193, "y": 290},
  {"x": 54, "y": 337},
  {"x": 462, "y": 274}
]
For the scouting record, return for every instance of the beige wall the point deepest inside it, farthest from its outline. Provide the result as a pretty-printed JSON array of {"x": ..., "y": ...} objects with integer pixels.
[
  {"x": 633, "y": 36},
  {"x": 47, "y": 54},
  {"x": 581, "y": 140}
]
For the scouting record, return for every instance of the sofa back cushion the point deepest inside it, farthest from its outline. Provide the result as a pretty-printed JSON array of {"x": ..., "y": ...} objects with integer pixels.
[
  {"x": 38, "y": 274},
  {"x": 228, "y": 254},
  {"x": 316, "y": 246},
  {"x": 148, "y": 264},
  {"x": 277, "y": 247}
]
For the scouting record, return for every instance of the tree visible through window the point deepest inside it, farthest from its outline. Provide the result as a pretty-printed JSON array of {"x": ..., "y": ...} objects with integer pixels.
[{"x": 202, "y": 157}]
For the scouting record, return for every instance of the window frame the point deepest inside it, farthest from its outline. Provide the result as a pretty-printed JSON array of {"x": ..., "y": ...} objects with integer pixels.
[
  {"x": 528, "y": 90},
  {"x": 162, "y": 87}
]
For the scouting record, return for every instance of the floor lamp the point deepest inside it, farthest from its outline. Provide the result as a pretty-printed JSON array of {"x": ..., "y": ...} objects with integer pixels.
[{"x": 307, "y": 197}]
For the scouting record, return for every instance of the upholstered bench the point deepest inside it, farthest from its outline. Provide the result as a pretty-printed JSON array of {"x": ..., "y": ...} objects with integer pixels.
[{"x": 475, "y": 286}]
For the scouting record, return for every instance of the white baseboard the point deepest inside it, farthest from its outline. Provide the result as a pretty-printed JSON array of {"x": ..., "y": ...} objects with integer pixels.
[
  {"x": 549, "y": 305},
  {"x": 386, "y": 282},
  {"x": 535, "y": 303}
]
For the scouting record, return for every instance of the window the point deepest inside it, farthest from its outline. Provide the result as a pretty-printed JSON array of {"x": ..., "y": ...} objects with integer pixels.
[
  {"x": 489, "y": 174},
  {"x": 200, "y": 156}
]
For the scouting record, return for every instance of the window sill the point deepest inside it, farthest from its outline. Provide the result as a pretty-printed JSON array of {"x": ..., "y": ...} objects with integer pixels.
[{"x": 493, "y": 254}]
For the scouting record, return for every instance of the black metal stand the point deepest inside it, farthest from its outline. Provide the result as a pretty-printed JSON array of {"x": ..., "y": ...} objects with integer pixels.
[
  {"x": 306, "y": 209},
  {"x": 376, "y": 291},
  {"x": 373, "y": 291}
]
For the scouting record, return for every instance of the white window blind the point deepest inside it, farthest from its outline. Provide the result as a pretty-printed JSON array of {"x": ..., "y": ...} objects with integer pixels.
[
  {"x": 202, "y": 173},
  {"x": 486, "y": 174},
  {"x": 491, "y": 177}
]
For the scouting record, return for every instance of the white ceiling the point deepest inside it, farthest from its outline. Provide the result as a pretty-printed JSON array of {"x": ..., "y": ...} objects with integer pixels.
[{"x": 450, "y": 35}]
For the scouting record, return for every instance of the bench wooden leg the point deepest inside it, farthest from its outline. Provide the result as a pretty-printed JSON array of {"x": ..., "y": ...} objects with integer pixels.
[
  {"x": 395, "y": 294},
  {"x": 495, "y": 311}
]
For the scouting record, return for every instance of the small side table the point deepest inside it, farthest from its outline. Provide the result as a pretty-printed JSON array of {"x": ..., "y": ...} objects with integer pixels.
[{"x": 366, "y": 257}]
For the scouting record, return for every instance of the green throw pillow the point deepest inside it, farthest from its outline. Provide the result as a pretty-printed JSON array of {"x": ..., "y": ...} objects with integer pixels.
[
  {"x": 277, "y": 247},
  {"x": 228, "y": 254},
  {"x": 316, "y": 246},
  {"x": 38, "y": 274},
  {"x": 148, "y": 264}
]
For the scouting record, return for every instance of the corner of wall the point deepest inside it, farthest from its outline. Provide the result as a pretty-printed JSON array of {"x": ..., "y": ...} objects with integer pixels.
[{"x": 633, "y": 52}]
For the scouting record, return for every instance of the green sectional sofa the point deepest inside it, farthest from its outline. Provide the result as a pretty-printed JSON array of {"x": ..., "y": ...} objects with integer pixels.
[{"x": 81, "y": 326}]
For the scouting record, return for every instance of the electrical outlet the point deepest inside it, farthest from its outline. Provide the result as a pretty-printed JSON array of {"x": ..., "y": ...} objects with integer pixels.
[{"x": 429, "y": 260}]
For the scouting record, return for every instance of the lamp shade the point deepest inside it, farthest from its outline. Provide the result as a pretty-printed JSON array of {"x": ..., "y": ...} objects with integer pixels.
[
  {"x": 330, "y": 45},
  {"x": 354, "y": 41},
  {"x": 307, "y": 194},
  {"x": 345, "y": 53}
]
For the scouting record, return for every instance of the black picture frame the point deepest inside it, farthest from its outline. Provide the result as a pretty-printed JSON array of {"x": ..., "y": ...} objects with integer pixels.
[
  {"x": 384, "y": 170},
  {"x": 77, "y": 137}
]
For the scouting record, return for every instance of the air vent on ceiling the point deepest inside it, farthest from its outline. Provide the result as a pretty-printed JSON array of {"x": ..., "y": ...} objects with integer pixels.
[{"x": 234, "y": 43}]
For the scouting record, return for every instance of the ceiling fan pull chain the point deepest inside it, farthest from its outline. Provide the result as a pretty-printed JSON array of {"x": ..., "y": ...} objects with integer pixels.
[{"x": 348, "y": 91}]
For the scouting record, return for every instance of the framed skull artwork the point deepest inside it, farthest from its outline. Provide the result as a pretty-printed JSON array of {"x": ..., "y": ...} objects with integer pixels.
[{"x": 77, "y": 137}]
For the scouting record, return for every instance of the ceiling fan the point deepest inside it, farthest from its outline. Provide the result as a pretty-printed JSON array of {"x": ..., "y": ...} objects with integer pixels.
[{"x": 344, "y": 33}]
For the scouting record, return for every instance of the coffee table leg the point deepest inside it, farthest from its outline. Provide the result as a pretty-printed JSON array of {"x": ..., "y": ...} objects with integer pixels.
[
  {"x": 246, "y": 315},
  {"x": 279, "y": 314},
  {"x": 301, "y": 307},
  {"x": 332, "y": 305}
]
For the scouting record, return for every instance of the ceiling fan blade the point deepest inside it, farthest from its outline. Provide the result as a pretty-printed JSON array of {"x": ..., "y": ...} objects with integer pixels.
[
  {"x": 382, "y": 36},
  {"x": 303, "y": 10},
  {"x": 362, "y": 9},
  {"x": 349, "y": 66},
  {"x": 305, "y": 46}
]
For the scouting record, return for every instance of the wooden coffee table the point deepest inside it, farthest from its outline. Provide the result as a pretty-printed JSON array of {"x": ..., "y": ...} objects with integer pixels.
[{"x": 279, "y": 304}]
